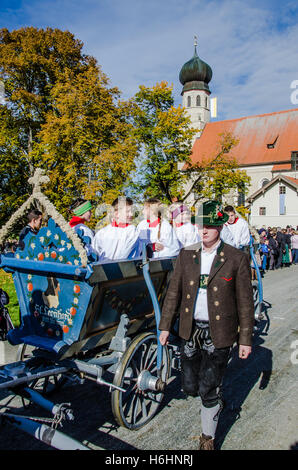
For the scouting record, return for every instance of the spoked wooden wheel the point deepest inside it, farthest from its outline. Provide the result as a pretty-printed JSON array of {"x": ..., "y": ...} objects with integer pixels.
[
  {"x": 24, "y": 352},
  {"x": 44, "y": 385},
  {"x": 137, "y": 374}
]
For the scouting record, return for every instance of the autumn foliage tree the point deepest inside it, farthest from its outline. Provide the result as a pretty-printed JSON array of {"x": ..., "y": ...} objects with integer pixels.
[
  {"x": 96, "y": 149},
  {"x": 164, "y": 134},
  {"x": 60, "y": 114},
  {"x": 215, "y": 175}
]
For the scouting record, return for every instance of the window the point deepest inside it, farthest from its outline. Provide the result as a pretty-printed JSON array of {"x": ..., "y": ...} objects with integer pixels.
[
  {"x": 188, "y": 101},
  {"x": 198, "y": 100},
  {"x": 282, "y": 200},
  {"x": 271, "y": 145},
  {"x": 294, "y": 161},
  {"x": 262, "y": 211},
  {"x": 241, "y": 199},
  {"x": 241, "y": 195},
  {"x": 206, "y": 101},
  {"x": 264, "y": 182}
]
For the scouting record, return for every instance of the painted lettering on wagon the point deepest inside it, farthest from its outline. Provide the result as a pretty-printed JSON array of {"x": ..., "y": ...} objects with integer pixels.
[{"x": 52, "y": 316}]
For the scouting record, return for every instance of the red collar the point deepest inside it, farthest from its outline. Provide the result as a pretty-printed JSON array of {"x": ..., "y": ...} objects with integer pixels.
[
  {"x": 237, "y": 218},
  {"x": 75, "y": 220},
  {"x": 153, "y": 224},
  {"x": 120, "y": 225}
]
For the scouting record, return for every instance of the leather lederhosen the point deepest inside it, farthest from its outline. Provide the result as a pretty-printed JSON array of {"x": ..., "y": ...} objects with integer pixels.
[{"x": 203, "y": 366}]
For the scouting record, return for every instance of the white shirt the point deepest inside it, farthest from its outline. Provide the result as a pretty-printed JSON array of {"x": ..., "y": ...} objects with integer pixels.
[
  {"x": 226, "y": 236},
  {"x": 187, "y": 234},
  {"x": 240, "y": 232},
  {"x": 168, "y": 238},
  {"x": 201, "y": 305},
  {"x": 116, "y": 243}
]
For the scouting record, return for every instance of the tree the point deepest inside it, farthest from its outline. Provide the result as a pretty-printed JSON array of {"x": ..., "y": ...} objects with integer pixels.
[
  {"x": 96, "y": 149},
  {"x": 164, "y": 134},
  {"x": 216, "y": 175},
  {"x": 61, "y": 115}
]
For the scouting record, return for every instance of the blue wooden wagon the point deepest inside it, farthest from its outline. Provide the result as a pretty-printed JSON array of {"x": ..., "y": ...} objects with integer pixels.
[{"x": 84, "y": 320}]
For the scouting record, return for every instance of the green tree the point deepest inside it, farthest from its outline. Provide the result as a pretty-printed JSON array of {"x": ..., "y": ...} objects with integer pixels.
[
  {"x": 59, "y": 114},
  {"x": 164, "y": 134},
  {"x": 214, "y": 176},
  {"x": 96, "y": 149}
]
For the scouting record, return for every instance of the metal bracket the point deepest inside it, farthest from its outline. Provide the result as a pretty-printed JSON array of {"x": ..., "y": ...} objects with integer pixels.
[{"x": 120, "y": 341}]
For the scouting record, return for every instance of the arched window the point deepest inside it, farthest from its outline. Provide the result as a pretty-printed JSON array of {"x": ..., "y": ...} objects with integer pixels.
[
  {"x": 264, "y": 181},
  {"x": 206, "y": 101},
  {"x": 198, "y": 100},
  {"x": 188, "y": 101}
]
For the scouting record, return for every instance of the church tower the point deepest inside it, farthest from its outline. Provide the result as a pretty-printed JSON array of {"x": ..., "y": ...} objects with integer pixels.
[{"x": 195, "y": 76}]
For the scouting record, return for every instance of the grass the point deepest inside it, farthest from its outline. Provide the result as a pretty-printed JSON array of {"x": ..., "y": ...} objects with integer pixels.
[{"x": 7, "y": 284}]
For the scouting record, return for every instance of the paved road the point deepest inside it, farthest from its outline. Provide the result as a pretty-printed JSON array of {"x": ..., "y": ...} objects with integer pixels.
[{"x": 261, "y": 394}]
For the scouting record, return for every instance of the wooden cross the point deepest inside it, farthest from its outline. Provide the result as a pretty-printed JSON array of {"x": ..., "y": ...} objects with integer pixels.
[{"x": 38, "y": 179}]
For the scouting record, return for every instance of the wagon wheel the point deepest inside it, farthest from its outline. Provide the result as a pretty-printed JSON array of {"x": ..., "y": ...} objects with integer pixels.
[
  {"x": 45, "y": 385},
  {"x": 137, "y": 373},
  {"x": 23, "y": 352}
]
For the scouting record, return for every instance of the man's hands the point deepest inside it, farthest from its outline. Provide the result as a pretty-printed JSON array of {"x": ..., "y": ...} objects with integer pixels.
[
  {"x": 164, "y": 337},
  {"x": 244, "y": 351}
]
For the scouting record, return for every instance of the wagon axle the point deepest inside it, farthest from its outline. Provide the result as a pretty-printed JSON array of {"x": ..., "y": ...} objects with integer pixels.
[{"x": 147, "y": 381}]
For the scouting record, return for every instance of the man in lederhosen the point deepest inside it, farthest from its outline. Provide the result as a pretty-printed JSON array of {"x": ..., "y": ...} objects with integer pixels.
[{"x": 211, "y": 290}]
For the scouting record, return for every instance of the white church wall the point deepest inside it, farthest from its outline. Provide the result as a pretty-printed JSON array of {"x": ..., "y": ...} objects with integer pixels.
[{"x": 257, "y": 174}]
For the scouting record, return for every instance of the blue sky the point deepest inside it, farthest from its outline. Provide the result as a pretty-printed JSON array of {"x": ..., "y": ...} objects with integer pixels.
[{"x": 251, "y": 46}]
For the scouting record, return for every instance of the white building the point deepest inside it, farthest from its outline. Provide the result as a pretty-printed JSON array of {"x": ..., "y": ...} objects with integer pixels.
[
  {"x": 275, "y": 204},
  {"x": 267, "y": 148}
]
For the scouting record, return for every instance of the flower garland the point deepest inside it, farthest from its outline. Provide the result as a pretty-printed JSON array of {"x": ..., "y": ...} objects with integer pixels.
[{"x": 38, "y": 179}]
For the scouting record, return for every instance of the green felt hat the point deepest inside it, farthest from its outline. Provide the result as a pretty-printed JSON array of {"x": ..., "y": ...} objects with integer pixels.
[{"x": 212, "y": 213}]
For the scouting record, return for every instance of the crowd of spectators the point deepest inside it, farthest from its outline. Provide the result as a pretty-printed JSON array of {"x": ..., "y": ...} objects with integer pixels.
[{"x": 278, "y": 247}]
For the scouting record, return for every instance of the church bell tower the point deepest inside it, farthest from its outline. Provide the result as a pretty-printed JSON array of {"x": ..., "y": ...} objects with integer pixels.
[{"x": 195, "y": 76}]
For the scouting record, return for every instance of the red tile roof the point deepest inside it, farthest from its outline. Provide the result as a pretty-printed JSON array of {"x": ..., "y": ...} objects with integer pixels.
[
  {"x": 294, "y": 180},
  {"x": 254, "y": 134},
  {"x": 281, "y": 166}
]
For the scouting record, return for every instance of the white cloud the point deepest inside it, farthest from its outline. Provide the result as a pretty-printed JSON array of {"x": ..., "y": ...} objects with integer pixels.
[{"x": 251, "y": 46}]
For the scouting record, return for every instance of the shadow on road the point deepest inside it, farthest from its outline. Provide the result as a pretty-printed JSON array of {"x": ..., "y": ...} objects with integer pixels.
[{"x": 241, "y": 377}]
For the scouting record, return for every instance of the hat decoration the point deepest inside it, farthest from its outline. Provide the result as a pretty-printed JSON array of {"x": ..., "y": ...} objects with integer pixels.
[{"x": 212, "y": 214}]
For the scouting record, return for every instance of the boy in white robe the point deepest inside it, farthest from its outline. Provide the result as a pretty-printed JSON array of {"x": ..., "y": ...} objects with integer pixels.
[
  {"x": 157, "y": 231},
  {"x": 186, "y": 232},
  {"x": 118, "y": 240},
  {"x": 238, "y": 227}
]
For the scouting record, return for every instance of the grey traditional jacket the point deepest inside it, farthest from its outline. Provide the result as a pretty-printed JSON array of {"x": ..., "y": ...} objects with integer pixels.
[{"x": 229, "y": 295}]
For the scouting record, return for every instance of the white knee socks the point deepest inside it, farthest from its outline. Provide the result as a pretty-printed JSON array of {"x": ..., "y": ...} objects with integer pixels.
[{"x": 209, "y": 424}]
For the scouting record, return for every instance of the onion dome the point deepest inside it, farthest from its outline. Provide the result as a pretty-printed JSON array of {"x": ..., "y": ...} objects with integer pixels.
[{"x": 195, "y": 74}]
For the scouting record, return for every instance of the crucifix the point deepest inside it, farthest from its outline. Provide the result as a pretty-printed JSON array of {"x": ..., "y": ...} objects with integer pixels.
[{"x": 38, "y": 179}]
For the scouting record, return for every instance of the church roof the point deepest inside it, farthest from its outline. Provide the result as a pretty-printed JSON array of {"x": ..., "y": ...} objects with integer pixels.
[{"x": 263, "y": 139}]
